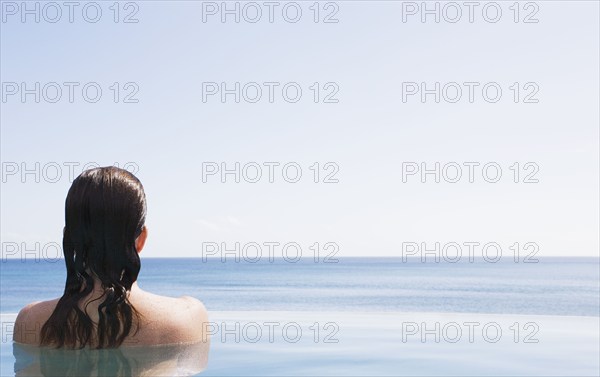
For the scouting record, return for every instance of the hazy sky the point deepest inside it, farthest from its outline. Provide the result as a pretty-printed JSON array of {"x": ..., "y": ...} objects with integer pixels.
[{"x": 369, "y": 126}]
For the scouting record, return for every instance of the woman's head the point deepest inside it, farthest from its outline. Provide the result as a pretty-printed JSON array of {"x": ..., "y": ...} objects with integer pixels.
[{"x": 105, "y": 212}]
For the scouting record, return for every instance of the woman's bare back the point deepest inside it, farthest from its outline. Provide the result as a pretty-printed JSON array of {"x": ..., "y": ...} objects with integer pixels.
[{"x": 163, "y": 320}]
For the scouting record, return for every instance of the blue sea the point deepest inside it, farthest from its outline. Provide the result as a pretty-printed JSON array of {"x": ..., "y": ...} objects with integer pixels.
[
  {"x": 362, "y": 316},
  {"x": 553, "y": 286}
]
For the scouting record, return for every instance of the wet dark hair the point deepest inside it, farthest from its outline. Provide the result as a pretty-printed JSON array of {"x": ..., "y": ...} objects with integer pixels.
[{"x": 105, "y": 211}]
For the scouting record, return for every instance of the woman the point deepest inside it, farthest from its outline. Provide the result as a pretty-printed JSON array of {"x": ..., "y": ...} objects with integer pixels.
[{"x": 102, "y": 305}]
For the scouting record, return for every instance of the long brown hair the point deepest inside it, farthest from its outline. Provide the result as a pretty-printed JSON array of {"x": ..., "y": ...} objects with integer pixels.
[{"x": 105, "y": 211}]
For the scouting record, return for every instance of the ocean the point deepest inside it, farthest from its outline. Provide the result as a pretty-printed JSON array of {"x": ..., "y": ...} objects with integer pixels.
[
  {"x": 396, "y": 317},
  {"x": 553, "y": 286}
]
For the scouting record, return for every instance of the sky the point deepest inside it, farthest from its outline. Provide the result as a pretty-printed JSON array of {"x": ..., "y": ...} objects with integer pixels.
[{"x": 330, "y": 125}]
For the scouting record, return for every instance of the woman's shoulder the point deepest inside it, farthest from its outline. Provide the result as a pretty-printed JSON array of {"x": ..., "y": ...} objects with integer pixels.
[
  {"x": 30, "y": 320},
  {"x": 185, "y": 309},
  {"x": 193, "y": 305},
  {"x": 184, "y": 304},
  {"x": 174, "y": 320}
]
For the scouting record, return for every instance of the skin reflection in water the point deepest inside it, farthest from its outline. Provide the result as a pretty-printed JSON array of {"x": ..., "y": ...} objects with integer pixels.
[{"x": 167, "y": 360}]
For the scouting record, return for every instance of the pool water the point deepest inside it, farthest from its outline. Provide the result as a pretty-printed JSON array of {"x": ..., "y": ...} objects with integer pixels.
[
  {"x": 276, "y": 343},
  {"x": 173, "y": 360}
]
